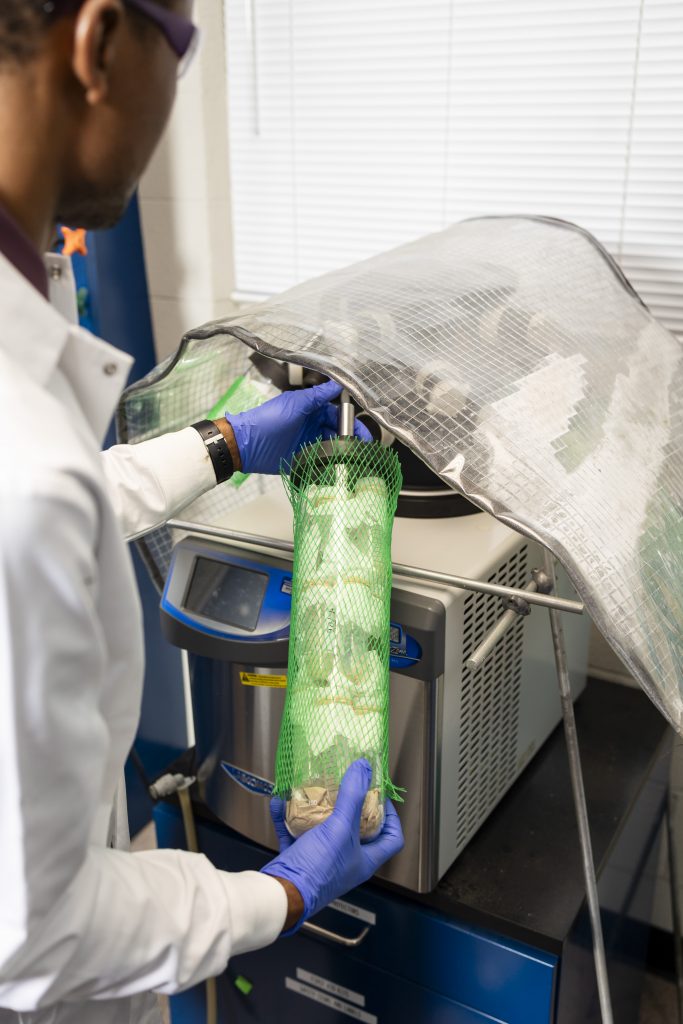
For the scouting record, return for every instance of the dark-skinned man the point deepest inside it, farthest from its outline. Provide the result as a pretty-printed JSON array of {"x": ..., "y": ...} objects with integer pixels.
[{"x": 88, "y": 930}]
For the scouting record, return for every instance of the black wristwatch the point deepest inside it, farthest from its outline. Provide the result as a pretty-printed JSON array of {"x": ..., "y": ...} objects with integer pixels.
[{"x": 217, "y": 447}]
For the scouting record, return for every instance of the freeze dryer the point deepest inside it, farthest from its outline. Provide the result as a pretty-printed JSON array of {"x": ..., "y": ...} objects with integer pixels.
[{"x": 459, "y": 737}]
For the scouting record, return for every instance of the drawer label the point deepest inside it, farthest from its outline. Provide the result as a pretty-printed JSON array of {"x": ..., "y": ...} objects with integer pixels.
[
  {"x": 330, "y": 986},
  {"x": 353, "y": 911},
  {"x": 330, "y": 1001},
  {"x": 253, "y": 679}
]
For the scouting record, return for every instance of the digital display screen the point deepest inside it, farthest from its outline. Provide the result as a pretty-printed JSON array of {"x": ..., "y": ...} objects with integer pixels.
[{"x": 226, "y": 593}]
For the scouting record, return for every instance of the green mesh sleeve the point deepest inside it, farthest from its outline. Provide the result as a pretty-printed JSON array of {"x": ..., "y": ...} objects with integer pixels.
[{"x": 344, "y": 495}]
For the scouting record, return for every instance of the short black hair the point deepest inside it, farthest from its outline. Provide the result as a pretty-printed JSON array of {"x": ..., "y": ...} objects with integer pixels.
[
  {"x": 23, "y": 24},
  {"x": 21, "y": 27}
]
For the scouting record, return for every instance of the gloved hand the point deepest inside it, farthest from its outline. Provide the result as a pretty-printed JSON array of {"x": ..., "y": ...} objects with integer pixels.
[
  {"x": 279, "y": 428},
  {"x": 329, "y": 860}
]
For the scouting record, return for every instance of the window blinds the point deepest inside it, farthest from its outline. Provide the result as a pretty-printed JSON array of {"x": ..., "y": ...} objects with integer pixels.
[{"x": 357, "y": 125}]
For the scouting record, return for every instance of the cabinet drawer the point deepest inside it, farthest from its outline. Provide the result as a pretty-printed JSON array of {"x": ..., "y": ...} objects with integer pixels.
[
  {"x": 509, "y": 981},
  {"x": 308, "y": 983},
  {"x": 473, "y": 970}
]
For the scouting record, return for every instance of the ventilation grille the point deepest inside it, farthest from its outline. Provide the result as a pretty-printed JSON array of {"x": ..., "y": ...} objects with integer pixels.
[{"x": 489, "y": 704}]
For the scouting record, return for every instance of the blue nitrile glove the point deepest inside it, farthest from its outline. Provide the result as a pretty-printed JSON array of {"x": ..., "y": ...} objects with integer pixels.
[
  {"x": 279, "y": 428},
  {"x": 329, "y": 860}
]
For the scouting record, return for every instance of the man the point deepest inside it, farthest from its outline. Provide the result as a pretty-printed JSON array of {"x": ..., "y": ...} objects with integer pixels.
[{"x": 88, "y": 931}]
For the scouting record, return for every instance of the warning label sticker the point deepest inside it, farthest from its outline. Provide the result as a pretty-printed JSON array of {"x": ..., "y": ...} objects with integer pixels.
[{"x": 253, "y": 679}]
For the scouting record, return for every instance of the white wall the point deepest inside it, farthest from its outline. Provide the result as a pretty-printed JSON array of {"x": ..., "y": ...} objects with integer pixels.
[
  {"x": 185, "y": 209},
  {"x": 185, "y": 199}
]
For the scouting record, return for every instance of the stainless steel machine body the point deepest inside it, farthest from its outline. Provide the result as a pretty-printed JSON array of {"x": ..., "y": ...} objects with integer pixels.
[{"x": 459, "y": 737}]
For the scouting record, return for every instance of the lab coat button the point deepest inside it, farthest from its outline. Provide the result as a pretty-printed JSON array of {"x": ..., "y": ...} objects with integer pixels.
[{"x": 110, "y": 369}]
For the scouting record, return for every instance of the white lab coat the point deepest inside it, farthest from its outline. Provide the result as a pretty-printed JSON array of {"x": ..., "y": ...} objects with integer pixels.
[{"x": 85, "y": 929}]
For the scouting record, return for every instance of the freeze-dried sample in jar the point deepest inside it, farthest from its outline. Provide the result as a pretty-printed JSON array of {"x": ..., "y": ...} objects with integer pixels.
[{"x": 311, "y": 805}]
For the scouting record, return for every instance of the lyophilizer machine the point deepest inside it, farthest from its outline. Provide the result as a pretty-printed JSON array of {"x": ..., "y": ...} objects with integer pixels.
[{"x": 459, "y": 736}]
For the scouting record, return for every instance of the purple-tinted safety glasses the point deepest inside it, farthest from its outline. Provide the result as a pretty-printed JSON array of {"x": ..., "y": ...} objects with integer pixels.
[{"x": 181, "y": 34}]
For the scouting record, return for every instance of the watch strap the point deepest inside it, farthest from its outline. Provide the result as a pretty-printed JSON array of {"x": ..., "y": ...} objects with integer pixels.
[{"x": 217, "y": 447}]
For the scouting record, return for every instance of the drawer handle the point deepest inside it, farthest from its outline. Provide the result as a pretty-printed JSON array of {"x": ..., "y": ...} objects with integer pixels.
[{"x": 324, "y": 933}]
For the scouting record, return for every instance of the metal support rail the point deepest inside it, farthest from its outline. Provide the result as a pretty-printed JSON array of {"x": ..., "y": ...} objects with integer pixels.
[
  {"x": 497, "y": 632},
  {"x": 560, "y": 604},
  {"x": 579, "y": 793},
  {"x": 675, "y": 911}
]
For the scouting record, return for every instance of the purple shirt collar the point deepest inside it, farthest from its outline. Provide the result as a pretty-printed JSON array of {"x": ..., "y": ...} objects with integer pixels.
[{"x": 18, "y": 248}]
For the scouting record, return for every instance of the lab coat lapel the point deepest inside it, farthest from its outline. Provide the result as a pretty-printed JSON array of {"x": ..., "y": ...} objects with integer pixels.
[
  {"x": 42, "y": 336},
  {"x": 97, "y": 373},
  {"x": 96, "y": 370},
  {"x": 32, "y": 334}
]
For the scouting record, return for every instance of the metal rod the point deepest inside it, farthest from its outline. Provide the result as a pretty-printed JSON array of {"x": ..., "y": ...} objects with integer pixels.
[
  {"x": 675, "y": 911},
  {"x": 347, "y": 416},
  {"x": 221, "y": 533},
  {"x": 193, "y": 846},
  {"x": 496, "y": 633},
  {"x": 579, "y": 793},
  {"x": 561, "y": 604}
]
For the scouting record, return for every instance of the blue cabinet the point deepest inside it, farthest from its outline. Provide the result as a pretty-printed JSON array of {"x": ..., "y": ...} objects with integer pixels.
[
  {"x": 304, "y": 983},
  {"x": 413, "y": 965},
  {"x": 505, "y": 936}
]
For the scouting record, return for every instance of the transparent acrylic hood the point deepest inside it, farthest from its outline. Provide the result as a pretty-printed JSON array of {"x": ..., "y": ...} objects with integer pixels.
[{"x": 515, "y": 359}]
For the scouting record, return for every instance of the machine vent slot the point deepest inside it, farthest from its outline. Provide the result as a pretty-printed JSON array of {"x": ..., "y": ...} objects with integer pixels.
[{"x": 489, "y": 708}]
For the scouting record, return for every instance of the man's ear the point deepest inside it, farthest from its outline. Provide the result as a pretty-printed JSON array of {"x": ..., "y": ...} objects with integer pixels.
[{"x": 97, "y": 36}]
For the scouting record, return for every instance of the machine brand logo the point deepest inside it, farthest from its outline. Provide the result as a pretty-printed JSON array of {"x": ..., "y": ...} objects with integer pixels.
[
  {"x": 247, "y": 780},
  {"x": 404, "y": 650}
]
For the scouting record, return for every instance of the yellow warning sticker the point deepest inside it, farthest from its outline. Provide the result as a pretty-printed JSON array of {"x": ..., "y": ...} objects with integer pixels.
[{"x": 253, "y": 679}]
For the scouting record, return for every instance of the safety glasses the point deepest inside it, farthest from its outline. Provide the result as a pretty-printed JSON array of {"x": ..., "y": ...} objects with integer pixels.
[{"x": 181, "y": 34}]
